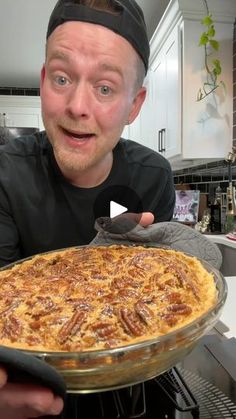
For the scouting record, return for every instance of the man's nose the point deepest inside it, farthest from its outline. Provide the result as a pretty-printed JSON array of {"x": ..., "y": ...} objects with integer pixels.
[{"x": 79, "y": 101}]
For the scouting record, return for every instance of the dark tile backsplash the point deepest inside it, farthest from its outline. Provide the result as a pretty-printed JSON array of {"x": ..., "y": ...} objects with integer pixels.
[
  {"x": 201, "y": 177},
  {"x": 19, "y": 91}
]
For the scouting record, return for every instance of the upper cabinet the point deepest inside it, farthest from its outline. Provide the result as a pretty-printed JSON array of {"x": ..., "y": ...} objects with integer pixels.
[
  {"x": 166, "y": 75},
  {"x": 178, "y": 126},
  {"x": 20, "y": 111},
  {"x": 141, "y": 130}
]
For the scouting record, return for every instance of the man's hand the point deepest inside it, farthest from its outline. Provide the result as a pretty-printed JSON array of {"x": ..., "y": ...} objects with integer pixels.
[
  {"x": 23, "y": 401},
  {"x": 124, "y": 223},
  {"x": 146, "y": 219}
]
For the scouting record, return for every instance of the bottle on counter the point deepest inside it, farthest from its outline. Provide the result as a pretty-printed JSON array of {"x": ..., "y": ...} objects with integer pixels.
[
  {"x": 215, "y": 212},
  {"x": 218, "y": 195}
]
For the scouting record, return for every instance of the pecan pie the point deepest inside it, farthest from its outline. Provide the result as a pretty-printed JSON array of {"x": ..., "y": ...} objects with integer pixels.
[{"x": 100, "y": 297}]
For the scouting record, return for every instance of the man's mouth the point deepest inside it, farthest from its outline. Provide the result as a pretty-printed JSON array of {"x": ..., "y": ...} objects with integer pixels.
[{"x": 80, "y": 136}]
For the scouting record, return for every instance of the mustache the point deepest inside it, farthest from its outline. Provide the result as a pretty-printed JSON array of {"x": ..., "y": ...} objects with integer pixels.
[{"x": 74, "y": 126}]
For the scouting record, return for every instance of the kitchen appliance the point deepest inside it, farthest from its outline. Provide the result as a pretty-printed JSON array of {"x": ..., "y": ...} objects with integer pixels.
[{"x": 200, "y": 387}]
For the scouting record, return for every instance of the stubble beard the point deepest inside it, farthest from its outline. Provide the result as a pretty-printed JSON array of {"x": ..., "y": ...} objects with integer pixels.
[
  {"x": 75, "y": 163},
  {"x": 70, "y": 160}
]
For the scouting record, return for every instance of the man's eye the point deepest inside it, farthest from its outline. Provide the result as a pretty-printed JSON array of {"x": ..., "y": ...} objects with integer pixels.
[
  {"x": 62, "y": 81},
  {"x": 105, "y": 90}
]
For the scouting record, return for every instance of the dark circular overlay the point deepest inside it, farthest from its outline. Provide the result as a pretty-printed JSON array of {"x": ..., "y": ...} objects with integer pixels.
[{"x": 121, "y": 195}]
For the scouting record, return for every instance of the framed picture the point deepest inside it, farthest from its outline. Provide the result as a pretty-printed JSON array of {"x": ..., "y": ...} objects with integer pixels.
[{"x": 186, "y": 206}]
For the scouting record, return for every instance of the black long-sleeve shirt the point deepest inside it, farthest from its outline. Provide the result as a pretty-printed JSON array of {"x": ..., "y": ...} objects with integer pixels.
[{"x": 41, "y": 211}]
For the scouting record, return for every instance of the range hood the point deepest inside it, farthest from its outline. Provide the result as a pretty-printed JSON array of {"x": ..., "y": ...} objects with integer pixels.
[{"x": 8, "y": 133}]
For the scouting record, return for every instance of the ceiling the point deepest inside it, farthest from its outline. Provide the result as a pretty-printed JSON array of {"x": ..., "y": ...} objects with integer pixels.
[{"x": 23, "y": 26}]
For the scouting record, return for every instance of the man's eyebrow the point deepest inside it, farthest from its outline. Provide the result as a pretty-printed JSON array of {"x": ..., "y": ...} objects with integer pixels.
[
  {"x": 59, "y": 55},
  {"x": 112, "y": 68}
]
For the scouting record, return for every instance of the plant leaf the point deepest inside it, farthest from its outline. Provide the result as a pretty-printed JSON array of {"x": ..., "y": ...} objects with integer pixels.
[
  {"x": 216, "y": 62},
  {"x": 207, "y": 20},
  {"x": 213, "y": 68},
  {"x": 214, "y": 44},
  {"x": 204, "y": 39},
  {"x": 199, "y": 95},
  {"x": 223, "y": 84},
  {"x": 211, "y": 32},
  {"x": 217, "y": 67}
]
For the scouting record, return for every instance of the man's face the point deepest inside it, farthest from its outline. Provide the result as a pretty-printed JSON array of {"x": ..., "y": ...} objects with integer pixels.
[{"x": 88, "y": 93}]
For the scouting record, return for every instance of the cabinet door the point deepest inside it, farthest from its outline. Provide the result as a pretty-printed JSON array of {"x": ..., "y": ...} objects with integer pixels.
[
  {"x": 147, "y": 116},
  {"x": 143, "y": 130},
  {"x": 135, "y": 130},
  {"x": 21, "y": 111},
  {"x": 173, "y": 98},
  {"x": 207, "y": 125},
  {"x": 167, "y": 96},
  {"x": 21, "y": 117},
  {"x": 159, "y": 102},
  {"x": 125, "y": 133}
]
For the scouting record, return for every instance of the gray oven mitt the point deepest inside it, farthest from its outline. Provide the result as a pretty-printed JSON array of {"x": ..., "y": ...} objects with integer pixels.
[{"x": 166, "y": 234}]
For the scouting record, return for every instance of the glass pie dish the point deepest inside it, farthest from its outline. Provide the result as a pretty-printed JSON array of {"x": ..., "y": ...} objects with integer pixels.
[{"x": 108, "y": 369}]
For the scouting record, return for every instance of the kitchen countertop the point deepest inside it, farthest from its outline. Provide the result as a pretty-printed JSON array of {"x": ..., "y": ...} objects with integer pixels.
[
  {"x": 221, "y": 238},
  {"x": 210, "y": 369},
  {"x": 227, "y": 324}
]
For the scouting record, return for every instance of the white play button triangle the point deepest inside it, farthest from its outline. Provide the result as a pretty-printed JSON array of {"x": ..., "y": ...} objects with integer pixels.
[{"x": 116, "y": 209}]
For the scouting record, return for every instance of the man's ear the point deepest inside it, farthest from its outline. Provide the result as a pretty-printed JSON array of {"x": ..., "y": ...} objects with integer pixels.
[
  {"x": 42, "y": 76},
  {"x": 137, "y": 104}
]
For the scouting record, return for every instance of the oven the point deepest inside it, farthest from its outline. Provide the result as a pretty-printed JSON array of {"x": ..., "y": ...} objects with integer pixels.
[{"x": 202, "y": 386}]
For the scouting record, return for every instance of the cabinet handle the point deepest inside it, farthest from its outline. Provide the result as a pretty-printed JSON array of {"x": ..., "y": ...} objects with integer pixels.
[
  {"x": 160, "y": 141},
  {"x": 163, "y": 140}
]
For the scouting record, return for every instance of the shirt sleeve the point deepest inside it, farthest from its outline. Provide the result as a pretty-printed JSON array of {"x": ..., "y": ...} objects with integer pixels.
[
  {"x": 9, "y": 238},
  {"x": 164, "y": 202}
]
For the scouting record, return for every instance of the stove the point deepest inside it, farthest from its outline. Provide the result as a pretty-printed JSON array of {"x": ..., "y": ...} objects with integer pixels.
[
  {"x": 198, "y": 387},
  {"x": 167, "y": 393}
]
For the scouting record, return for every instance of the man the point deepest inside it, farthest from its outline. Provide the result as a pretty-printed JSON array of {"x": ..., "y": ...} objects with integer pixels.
[{"x": 53, "y": 185}]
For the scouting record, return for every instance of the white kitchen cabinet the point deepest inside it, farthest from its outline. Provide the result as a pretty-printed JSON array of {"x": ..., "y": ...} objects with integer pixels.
[
  {"x": 134, "y": 130},
  {"x": 207, "y": 125},
  {"x": 147, "y": 116},
  {"x": 166, "y": 87},
  {"x": 173, "y": 122},
  {"x": 143, "y": 129},
  {"x": 125, "y": 133},
  {"x": 21, "y": 111},
  {"x": 191, "y": 129}
]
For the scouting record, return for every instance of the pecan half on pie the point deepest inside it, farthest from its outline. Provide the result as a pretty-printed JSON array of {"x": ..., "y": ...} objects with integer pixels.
[{"x": 100, "y": 297}]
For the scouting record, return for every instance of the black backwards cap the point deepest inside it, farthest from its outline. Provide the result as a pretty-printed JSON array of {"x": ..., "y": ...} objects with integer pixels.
[{"x": 128, "y": 23}]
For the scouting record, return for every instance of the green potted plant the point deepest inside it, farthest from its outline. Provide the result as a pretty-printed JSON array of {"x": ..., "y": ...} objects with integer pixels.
[{"x": 212, "y": 65}]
